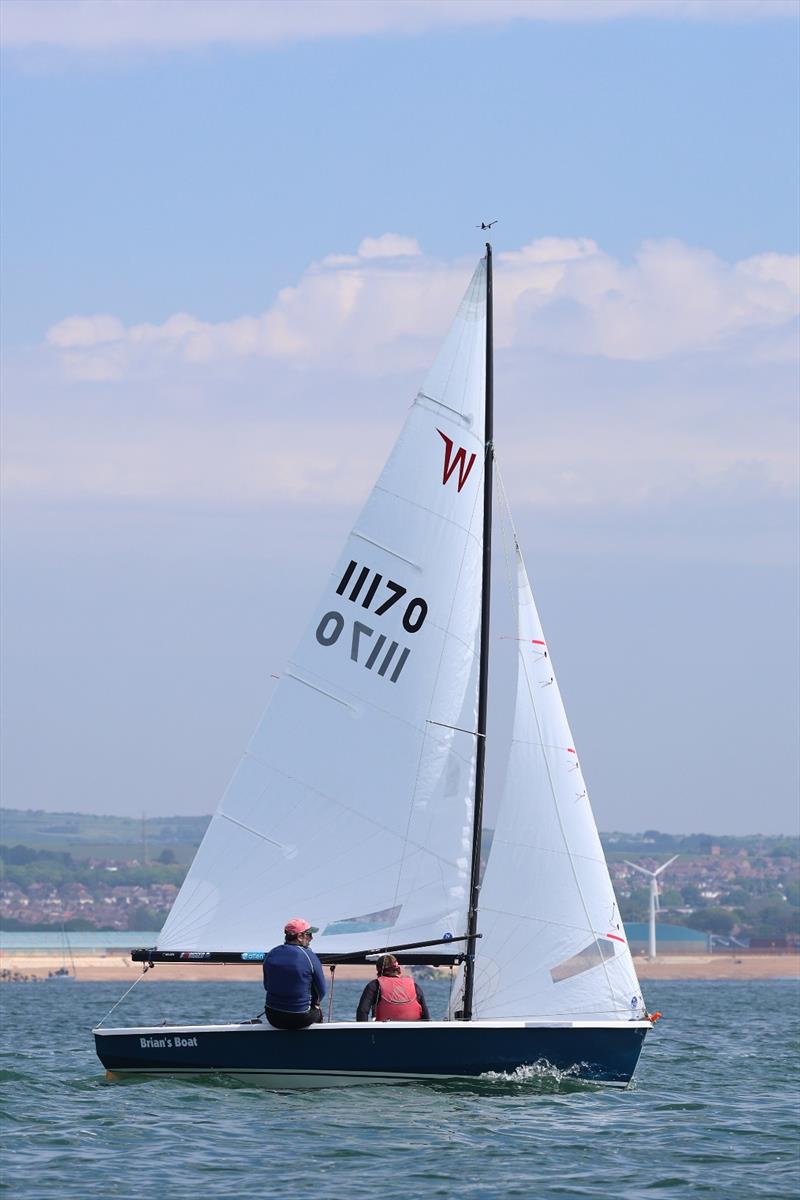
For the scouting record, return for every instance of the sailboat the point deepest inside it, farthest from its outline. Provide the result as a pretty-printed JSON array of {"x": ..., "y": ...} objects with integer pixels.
[
  {"x": 359, "y": 801},
  {"x": 63, "y": 974}
]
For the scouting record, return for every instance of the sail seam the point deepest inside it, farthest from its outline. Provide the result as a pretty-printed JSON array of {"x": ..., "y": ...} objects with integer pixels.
[
  {"x": 448, "y": 633},
  {"x": 191, "y": 917},
  {"x": 543, "y": 745},
  {"x": 467, "y": 529},
  {"x": 501, "y": 912},
  {"x": 310, "y": 896},
  {"x": 346, "y": 807},
  {"x": 588, "y": 858}
]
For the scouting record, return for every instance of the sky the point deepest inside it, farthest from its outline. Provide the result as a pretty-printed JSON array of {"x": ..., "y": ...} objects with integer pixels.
[{"x": 233, "y": 235}]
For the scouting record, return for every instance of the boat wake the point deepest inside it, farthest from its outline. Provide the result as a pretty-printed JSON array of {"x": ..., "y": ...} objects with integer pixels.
[{"x": 542, "y": 1076}]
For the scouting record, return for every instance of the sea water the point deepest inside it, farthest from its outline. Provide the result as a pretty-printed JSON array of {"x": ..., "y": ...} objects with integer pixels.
[
  {"x": 83, "y": 939},
  {"x": 713, "y": 1110}
]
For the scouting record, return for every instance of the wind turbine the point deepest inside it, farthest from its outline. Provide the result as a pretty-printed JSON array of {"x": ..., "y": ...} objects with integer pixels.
[{"x": 654, "y": 904}]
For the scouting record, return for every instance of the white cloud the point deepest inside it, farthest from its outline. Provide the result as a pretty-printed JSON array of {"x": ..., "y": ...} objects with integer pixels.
[
  {"x": 382, "y": 310},
  {"x": 389, "y": 245},
  {"x": 673, "y": 299},
  {"x": 98, "y": 25},
  {"x": 666, "y": 381},
  {"x": 231, "y": 463},
  {"x": 86, "y": 331},
  {"x": 581, "y": 435}
]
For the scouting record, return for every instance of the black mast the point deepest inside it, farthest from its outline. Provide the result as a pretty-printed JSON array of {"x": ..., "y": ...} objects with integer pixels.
[{"x": 483, "y": 675}]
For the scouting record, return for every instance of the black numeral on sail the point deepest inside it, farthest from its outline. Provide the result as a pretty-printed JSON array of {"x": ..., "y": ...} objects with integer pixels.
[
  {"x": 379, "y": 653},
  {"x": 415, "y": 611},
  {"x": 412, "y": 623},
  {"x": 329, "y": 628},
  {"x": 396, "y": 592}
]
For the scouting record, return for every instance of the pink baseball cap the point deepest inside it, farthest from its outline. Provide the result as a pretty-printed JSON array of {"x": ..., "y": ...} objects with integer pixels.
[{"x": 298, "y": 925}]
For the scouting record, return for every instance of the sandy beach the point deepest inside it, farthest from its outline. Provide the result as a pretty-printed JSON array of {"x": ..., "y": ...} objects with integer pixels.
[{"x": 114, "y": 966}]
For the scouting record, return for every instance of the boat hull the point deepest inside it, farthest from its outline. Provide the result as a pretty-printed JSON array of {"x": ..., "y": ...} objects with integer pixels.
[{"x": 346, "y": 1053}]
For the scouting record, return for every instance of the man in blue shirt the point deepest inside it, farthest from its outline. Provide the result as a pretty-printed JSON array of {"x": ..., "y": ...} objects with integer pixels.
[{"x": 293, "y": 979}]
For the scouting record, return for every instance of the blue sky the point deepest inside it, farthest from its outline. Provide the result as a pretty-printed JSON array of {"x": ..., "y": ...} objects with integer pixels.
[
  {"x": 208, "y": 178},
  {"x": 187, "y": 207}
]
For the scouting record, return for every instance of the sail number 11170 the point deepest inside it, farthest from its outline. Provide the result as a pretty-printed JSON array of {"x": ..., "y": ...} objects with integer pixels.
[{"x": 371, "y": 591}]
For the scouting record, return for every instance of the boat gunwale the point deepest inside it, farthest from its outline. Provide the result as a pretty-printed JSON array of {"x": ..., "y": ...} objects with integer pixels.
[{"x": 369, "y": 1026}]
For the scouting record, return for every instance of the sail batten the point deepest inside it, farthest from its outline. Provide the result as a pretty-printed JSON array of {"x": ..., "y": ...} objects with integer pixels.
[
  {"x": 387, "y": 549},
  {"x": 440, "y": 404}
]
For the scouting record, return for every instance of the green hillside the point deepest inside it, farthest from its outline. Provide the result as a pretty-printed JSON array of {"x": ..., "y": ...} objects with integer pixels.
[{"x": 84, "y": 835}]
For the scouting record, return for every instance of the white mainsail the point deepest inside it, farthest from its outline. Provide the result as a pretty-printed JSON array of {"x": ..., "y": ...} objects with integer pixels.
[
  {"x": 553, "y": 945},
  {"x": 352, "y": 806}
]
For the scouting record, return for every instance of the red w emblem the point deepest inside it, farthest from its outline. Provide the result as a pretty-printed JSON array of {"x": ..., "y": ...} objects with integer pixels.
[{"x": 457, "y": 461}]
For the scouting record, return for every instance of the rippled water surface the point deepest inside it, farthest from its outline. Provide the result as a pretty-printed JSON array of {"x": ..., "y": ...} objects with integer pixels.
[{"x": 713, "y": 1111}]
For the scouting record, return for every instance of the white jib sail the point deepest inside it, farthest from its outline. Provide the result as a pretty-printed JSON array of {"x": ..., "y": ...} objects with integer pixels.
[
  {"x": 352, "y": 805},
  {"x": 553, "y": 944}
]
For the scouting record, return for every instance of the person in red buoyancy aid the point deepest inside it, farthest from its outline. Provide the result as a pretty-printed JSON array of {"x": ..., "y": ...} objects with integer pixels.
[{"x": 392, "y": 996}]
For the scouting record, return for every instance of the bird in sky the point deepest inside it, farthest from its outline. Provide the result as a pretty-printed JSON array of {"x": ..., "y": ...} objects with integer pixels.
[{"x": 487, "y": 224}]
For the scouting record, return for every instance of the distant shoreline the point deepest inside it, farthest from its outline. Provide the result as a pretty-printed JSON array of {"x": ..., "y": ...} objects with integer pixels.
[{"x": 116, "y": 967}]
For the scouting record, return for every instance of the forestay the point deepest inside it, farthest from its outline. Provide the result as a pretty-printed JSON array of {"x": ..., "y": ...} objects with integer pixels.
[
  {"x": 553, "y": 944},
  {"x": 352, "y": 805}
]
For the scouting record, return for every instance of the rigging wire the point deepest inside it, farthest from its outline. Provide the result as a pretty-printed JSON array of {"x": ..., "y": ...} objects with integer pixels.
[{"x": 138, "y": 979}]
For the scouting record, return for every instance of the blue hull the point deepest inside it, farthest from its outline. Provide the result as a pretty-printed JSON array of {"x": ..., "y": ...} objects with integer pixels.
[{"x": 327, "y": 1055}]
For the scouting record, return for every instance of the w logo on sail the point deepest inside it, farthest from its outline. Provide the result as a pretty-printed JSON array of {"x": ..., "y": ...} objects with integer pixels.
[{"x": 455, "y": 462}]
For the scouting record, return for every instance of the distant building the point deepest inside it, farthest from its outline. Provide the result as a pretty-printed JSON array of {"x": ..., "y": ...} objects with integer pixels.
[{"x": 670, "y": 939}]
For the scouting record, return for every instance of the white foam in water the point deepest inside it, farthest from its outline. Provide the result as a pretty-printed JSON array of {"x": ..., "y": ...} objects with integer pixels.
[{"x": 537, "y": 1072}]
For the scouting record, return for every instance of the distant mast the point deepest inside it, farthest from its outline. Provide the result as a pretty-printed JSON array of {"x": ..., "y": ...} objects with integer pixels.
[{"x": 483, "y": 667}]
